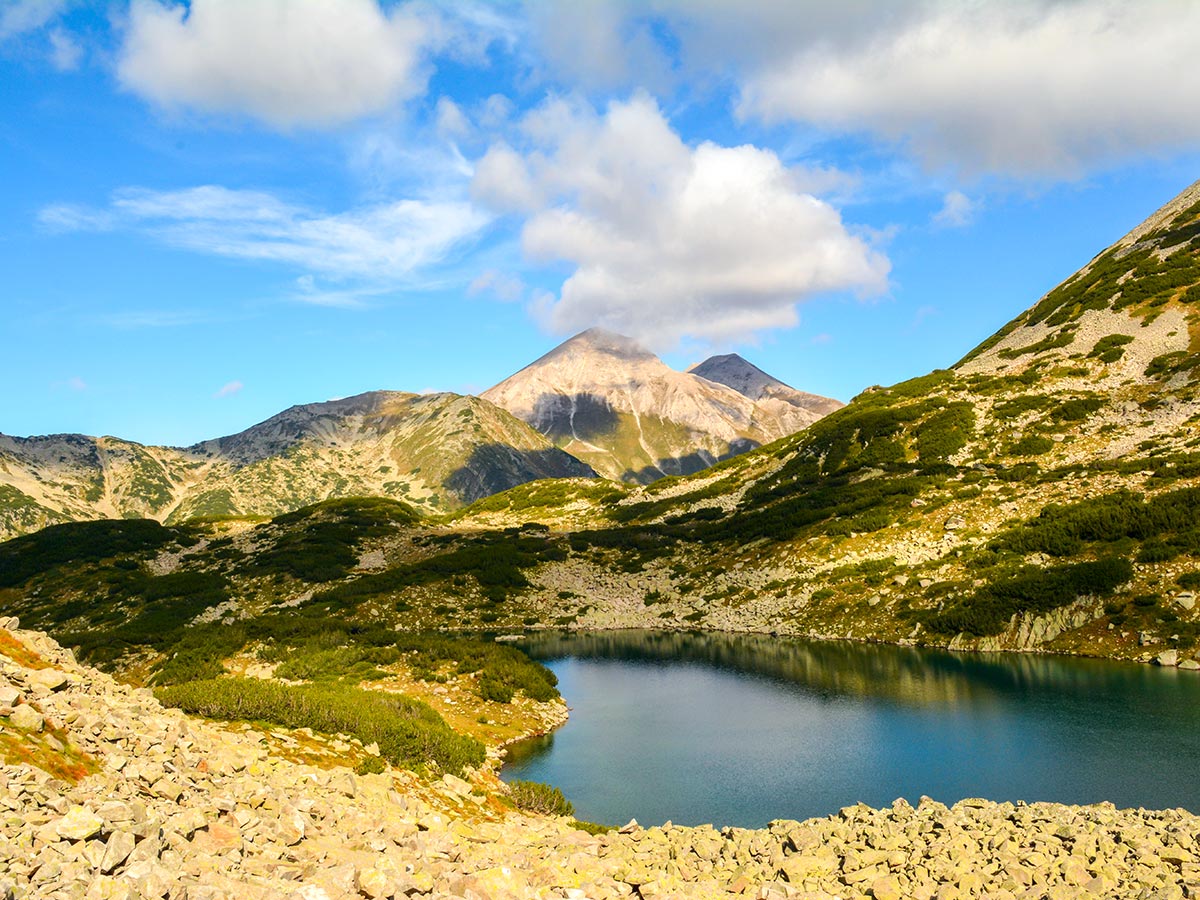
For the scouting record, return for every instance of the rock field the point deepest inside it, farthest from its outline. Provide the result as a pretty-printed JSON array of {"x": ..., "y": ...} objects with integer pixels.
[{"x": 181, "y": 808}]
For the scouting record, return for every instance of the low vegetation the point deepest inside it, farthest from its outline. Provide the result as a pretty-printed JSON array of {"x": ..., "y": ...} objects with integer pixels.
[
  {"x": 408, "y": 732},
  {"x": 540, "y": 799}
]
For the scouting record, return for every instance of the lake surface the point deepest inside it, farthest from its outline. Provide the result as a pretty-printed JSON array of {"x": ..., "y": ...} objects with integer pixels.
[{"x": 739, "y": 730}]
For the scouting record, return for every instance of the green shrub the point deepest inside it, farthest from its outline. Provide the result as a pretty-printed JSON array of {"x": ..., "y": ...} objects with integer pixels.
[
  {"x": 408, "y": 732},
  {"x": 76, "y": 543},
  {"x": 1077, "y": 409},
  {"x": 1111, "y": 348},
  {"x": 1031, "y": 445},
  {"x": 535, "y": 797},
  {"x": 1030, "y": 589}
]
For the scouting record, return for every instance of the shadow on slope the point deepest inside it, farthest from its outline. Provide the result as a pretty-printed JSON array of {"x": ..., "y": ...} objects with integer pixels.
[
  {"x": 561, "y": 417},
  {"x": 493, "y": 468},
  {"x": 688, "y": 464}
]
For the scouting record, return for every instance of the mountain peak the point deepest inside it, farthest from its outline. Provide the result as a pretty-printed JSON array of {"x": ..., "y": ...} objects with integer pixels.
[
  {"x": 601, "y": 340},
  {"x": 743, "y": 376}
]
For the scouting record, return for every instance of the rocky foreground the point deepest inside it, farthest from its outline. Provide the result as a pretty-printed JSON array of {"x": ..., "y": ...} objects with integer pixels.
[{"x": 145, "y": 802}]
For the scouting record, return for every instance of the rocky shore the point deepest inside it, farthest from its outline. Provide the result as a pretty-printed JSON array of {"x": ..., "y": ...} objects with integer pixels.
[{"x": 145, "y": 802}]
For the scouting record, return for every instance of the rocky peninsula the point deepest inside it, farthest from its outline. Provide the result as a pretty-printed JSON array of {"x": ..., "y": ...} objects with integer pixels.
[{"x": 106, "y": 794}]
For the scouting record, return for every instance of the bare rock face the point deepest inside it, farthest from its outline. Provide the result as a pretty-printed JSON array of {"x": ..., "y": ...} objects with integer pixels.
[{"x": 607, "y": 400}]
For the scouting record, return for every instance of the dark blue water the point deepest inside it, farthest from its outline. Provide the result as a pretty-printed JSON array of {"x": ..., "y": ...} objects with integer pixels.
[{"x": 739, "y": 730}]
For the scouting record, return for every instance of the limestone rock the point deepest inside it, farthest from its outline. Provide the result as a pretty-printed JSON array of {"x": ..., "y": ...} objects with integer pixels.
[
  {"x": 79, "y": 824},
  {"x": 27, "y": 718},
  {"x": 47, "y": 680}
]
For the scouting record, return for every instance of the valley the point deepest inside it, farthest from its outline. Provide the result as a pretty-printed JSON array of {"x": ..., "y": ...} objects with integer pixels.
[{"x": 1039, "y": 496}]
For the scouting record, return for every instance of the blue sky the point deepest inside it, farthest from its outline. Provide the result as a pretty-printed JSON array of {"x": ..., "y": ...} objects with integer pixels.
[{"x": 213, "y": 211}]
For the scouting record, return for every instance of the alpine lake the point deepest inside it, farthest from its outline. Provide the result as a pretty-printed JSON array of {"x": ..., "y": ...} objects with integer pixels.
[{"x": 738, "y": 730}]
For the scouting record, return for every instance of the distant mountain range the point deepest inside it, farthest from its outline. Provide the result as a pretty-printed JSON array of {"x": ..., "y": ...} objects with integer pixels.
[
  {"x": 607, "y": 400},
  {"x": 615, "y": 410},
  {"x": 436, "y": 451}
]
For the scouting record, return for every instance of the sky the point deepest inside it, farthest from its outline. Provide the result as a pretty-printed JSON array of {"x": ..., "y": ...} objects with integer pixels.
[{"x": 212, "y": 211}]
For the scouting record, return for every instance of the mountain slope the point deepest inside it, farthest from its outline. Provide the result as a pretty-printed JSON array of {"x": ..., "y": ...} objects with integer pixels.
[
  {"x": 605, "y": 399},
  {"x": 436, "y": 451},
  {"x": 1041, "y": 495}
]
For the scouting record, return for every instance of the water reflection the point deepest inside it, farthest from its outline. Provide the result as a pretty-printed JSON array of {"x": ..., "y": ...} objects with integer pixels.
[
  {"x": 909, "y": 675},
  {"x": 739, "y": 729}
]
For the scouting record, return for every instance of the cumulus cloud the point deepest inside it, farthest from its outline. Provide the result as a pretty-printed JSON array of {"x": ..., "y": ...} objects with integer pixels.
[
  {"x": 958, "y": 210},
  {"x": 1025, "y": 88},
  {"x": 1028, "y": 87},
  {"x": 668, "y": 240},
  {"x": 315, "y": 63},
  {"x": 383, "y": 242},
  {"x": 228, "y": 390}
]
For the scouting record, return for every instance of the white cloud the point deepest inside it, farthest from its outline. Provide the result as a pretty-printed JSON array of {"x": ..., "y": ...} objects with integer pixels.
[
  {"x": 958, "y": 211},
  {"x": 20, "y": 16},
  {"x": 668, "y": 240},
  {"x": 503, "y": 286},
  {"x": 451, "y": 122},
  {"x": 1028, "y": 87},
  {"x": 313, "y": 63},
  {"x": 65, "y": 52},
  {"x": 1025, "y": 88},
  {"x": 228, "y": 390},
  {"x": 384, "y": 242},
  {"x": 76, "y": 383},
  {"x": 502, "y": 180}
]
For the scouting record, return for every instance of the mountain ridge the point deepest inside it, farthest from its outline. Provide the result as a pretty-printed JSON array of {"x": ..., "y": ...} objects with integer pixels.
[
  {"x": 435, "y": 451},
  {"x": 609, "y": 401}
]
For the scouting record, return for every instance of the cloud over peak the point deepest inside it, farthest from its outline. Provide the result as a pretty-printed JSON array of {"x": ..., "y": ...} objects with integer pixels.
[{"x": 669, "y": 240}]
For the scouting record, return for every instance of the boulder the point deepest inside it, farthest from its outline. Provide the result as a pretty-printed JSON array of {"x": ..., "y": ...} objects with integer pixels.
[
  {"x": 9, "y": 695},
  {"x": 79, "y": 824},
  {"x": 26, "y": 718},
  {"x": 47, "y": 680},
  {"x": 1168, "y": 658}
]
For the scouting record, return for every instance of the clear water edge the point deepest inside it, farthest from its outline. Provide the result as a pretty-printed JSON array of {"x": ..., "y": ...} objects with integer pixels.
[{"x": 743, "y": 729}]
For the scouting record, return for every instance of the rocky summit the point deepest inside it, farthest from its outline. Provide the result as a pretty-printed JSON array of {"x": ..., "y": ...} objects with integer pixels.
[
  {"x": 609, "y": 401},
  {"x": 106, "y": 794}
]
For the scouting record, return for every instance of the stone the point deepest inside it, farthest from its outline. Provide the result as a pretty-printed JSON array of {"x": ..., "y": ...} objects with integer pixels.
[
  {"x": 120, "y": 844},
  {"x": 26, "y": 718},
  {"x": 9, "y": 695},
  {"x": 1189, "y": 664},
  {"x": 79, "y": 824},
  {"x": 1168, "y": 658},
  {"x": 374, "y": 883},
  {"x": 48, "y": 680}
]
